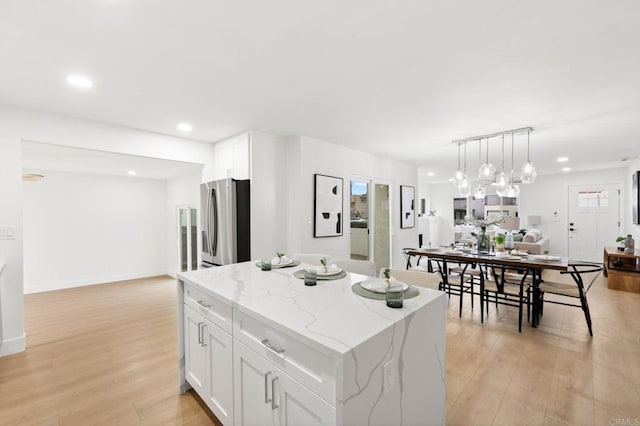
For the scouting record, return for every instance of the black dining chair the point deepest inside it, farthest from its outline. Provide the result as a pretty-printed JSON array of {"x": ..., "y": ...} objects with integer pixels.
[
  {"x": 509, "y": 289},
  {"x": 408, "y": 257},
  {"x": 456, "y": 283},
  {"x": 576, "y": 290}
]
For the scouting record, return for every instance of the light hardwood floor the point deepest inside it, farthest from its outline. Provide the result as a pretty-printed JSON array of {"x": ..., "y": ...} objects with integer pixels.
[{"x": 107, "y": 355}]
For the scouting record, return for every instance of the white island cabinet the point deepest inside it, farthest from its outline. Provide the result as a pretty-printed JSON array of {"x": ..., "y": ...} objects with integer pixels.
[{"x": 261, "y": 348}]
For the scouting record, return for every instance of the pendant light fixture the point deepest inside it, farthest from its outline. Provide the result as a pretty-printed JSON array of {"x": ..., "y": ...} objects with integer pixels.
[
  {"x": 501, "y": 179},
  {"x": 512, "y": 191},
  {"x": 528, "y": 173},
  {"x": 459, "y": 175},
  {"x": 480, "y": 192},
  {"x": 487, "y": 170},
  {"x": 464, "y": 187}
]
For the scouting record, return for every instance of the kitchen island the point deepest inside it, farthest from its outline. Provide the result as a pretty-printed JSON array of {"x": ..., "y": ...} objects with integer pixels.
[{"x": 260, "y": 347}]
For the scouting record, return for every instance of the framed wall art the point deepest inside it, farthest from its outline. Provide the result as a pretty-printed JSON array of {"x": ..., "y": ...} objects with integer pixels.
[
  {"x": 327, "y": 206},
  {"x": 635, "y": 198},
  {"x": 407, "y": 206}
]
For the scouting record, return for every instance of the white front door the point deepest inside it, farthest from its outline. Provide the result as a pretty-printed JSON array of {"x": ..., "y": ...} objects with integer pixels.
[{"x": 594, "y": 220}]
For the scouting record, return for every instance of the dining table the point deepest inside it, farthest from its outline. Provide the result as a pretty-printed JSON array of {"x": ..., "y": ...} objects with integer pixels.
[{"x": 535, "y": 264}]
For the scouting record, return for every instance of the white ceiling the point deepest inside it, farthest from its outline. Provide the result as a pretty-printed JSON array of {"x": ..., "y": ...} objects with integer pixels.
[
  {"x": 400, "y": 79},
  {"x": 43, "y": 157}
]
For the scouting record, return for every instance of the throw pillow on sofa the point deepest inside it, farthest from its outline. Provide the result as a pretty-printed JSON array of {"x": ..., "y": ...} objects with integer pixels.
[{"x": 532, "y": 236}]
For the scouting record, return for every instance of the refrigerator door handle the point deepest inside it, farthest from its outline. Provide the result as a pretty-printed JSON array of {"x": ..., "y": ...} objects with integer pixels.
[
  {"x": 205, "y": 231},
  {"x": 214, "y": 199},
  {"x": 207, "y": 247},
  {"x": 209, "y": 224}
]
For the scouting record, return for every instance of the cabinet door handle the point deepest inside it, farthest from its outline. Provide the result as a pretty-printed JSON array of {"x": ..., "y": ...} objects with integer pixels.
[
  {"x": 273, "y": 394},
  {"x": 273, "y": 348},
  {"x": 203, "y": 341},
  {"x": 199, "y": 333},
  {"x": 266, "y": 389},
  {"x": 201, "y": 303}
]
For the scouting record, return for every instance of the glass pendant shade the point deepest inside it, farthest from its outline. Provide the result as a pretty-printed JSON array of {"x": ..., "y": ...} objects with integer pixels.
[
  {"x": 479, "y": 192},
  {"x": 464, "y": 187},
  {"x": 528, "y": 173},
  {"x": 512, "y": 191},
  {"x": 487, "y": 171},
  {"x": 459, "y": 175}
]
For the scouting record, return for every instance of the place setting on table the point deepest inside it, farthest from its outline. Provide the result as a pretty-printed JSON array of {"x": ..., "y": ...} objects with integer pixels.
[
  {"x": 325, "y": 272},
  {"x": 387, "y": 288},
  {"x": 279, "y": 261}
]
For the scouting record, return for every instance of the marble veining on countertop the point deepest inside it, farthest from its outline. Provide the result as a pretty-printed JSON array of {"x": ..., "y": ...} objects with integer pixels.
[{"x": 329, "y": 313}]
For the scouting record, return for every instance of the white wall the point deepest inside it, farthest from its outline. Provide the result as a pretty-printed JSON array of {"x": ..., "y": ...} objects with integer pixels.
[
  {"x": 11, "y": 302},
  {"x": 18, "y": 124},
  {"x": 67, "y": 131},
  {"x": 441, "y": 200},
  {"x": 268, "y": 195},
  {"x": 180, "y": 191},
  {"x": 82, "y": 229},
  {"x": 547, "y": 195},
  {"x": 307, "y": 156}
]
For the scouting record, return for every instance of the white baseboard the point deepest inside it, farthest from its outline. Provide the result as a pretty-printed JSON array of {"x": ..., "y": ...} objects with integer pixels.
[
  {"x": 12, "y": 346},
  {"x": 59, "y": 285}
]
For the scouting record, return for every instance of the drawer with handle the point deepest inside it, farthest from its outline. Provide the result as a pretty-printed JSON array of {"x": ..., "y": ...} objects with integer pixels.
[
  {"x": 310, "y": 366},
  {"x": 212, "y": 308}
]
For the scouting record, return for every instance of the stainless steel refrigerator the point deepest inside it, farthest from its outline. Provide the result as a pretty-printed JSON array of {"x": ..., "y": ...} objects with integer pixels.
[{"x": 225, "y": 222}]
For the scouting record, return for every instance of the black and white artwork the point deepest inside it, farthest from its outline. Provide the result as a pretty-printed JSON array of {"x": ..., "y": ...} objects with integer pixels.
[
  {"x": 407, "y": 206},
  {"x": 327, "y": 206}
]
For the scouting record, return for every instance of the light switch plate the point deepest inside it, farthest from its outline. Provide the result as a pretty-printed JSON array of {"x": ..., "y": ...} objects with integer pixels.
[{"x": 7, "y": 233}]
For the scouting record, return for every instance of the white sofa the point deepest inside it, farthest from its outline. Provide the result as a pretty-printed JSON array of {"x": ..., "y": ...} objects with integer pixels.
[
  {"x": 538, "y": 247},
  {"x": 533, "y": 242}
]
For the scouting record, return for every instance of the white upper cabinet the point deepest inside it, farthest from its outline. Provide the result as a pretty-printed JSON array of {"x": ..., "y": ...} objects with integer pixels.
[{"x": 231, "y": 158}]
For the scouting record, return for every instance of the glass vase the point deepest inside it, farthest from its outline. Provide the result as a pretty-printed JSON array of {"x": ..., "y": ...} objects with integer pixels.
[{"x": 484, "y": 243}]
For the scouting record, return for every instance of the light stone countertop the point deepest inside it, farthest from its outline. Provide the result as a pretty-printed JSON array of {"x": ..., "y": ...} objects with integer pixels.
[{"x": 329, "y": 314}]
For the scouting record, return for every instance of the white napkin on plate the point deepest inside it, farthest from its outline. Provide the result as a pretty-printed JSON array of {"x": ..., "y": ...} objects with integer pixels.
[
  {"x": 331, "y": 269},
  {"x": 280, "y": 260}
]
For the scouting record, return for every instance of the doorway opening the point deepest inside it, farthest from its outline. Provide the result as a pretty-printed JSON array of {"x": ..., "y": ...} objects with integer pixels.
[
  {"x": 359, "y": 220},
  {"x": 370, "y": 222}
]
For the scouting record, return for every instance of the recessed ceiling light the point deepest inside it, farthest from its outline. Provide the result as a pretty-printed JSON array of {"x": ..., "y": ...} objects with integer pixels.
[
  {"x": 131, "y": 173},
  {"x": 430, "y": 174},
  {"x": 32, "y": 177},
  {"x": 79, "y": 81},
  {"x": 184, "y": 127},
  {"x": 563, "y": 159},
  {"x": 566, "y": 169}
]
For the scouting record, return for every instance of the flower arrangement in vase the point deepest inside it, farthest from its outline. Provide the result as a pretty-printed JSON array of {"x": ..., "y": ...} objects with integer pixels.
[{"x": 484, "y": 244}]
